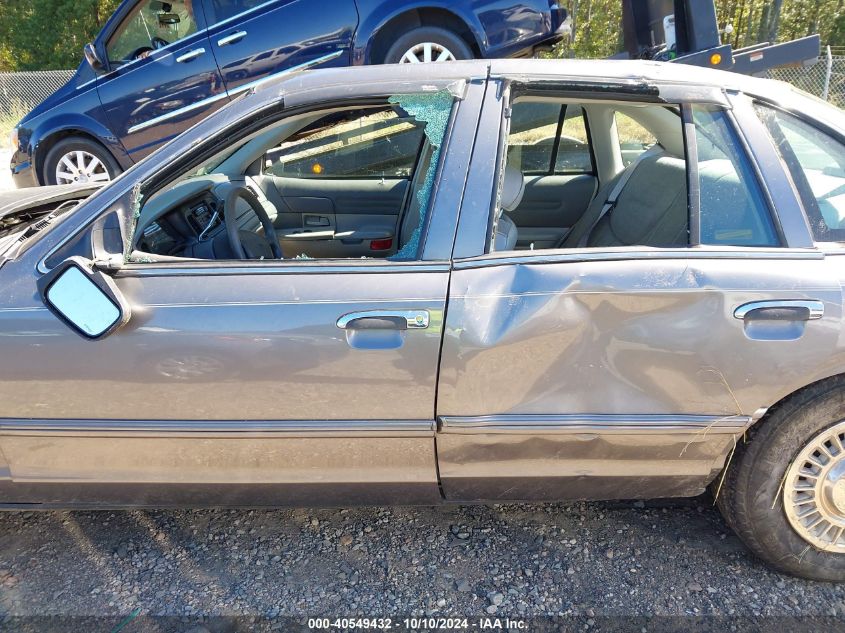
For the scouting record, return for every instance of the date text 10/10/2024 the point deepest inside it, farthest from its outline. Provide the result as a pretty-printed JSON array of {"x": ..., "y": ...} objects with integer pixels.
[{"x": 418, "y": 624}]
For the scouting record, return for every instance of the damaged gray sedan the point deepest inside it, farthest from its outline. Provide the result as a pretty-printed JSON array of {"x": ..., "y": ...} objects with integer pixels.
[{"x": 481, "y": 281}]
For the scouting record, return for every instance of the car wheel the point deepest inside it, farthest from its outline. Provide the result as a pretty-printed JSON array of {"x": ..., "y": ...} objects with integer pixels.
[
  {"x": 77, "y": 160},
  {"x": 427, "y": 44},
  {"x": 784, "y": 490}
]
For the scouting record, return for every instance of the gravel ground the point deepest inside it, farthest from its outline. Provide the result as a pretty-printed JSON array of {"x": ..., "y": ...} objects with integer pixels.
[{"x": 585, "y": 559}]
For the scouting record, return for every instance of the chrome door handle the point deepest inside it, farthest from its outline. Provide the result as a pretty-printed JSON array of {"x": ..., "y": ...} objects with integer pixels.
[
  {"x": 783, "y": 310},
  {"x": 384, "y": 320},
  {"x": 193, "y": 54},
  {"x": 231, "y": 38}
]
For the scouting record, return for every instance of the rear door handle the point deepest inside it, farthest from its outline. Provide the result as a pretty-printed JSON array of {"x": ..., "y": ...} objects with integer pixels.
[
  {"x": 231, "y": 38},
  {"x": 193, "y": 54},
  {"x": 384, "y": 320},
  {"x": 783, "y": 310}
]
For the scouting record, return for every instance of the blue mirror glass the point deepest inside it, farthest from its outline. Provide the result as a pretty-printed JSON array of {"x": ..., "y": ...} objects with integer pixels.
[{"x": 78, "y": 299}]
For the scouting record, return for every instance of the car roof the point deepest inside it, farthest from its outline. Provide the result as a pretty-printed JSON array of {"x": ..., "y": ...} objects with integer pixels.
[{"x": 609, "y": 70}]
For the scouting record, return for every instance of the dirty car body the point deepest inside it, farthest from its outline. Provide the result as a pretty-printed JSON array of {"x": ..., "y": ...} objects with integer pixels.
[{"x": 505, "y": 345}]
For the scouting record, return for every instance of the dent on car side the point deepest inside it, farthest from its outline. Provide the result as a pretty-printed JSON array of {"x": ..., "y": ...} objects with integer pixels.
[{"x": 562, "y": 375}]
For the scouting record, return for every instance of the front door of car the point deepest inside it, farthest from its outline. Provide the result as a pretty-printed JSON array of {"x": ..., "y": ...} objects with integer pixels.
[
  {"x": 239, "y": 382},
  {"x": 254, "y": 39},
  {"x": 162, "y": 75},
  {"x": 614, "y": 371}
]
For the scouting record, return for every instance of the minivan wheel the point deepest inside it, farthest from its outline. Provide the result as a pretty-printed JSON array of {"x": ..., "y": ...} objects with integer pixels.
[
  {"x": 784, "y": 491},
  {"x": 77, "y": 160},
  {"x": 427, "y": 44}
]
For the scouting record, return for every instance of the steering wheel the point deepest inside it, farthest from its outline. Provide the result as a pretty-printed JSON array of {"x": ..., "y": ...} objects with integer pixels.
[
  {"x": 156, "y": 42},
  {"x": 246, "y": 244}
]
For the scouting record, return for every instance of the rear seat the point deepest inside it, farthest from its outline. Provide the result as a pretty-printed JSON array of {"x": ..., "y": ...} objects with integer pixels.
[{"x": 650, "y": 211}]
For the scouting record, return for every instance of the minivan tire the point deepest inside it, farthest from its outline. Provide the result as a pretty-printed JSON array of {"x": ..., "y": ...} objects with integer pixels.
[
  {"x": 754, "y": 491},
  {"x": 73, "y": 144},
  {"x": 445, "y": 38}
]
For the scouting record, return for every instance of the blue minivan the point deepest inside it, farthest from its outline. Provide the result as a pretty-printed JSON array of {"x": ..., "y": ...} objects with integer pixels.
[{"x": 159, "y": 66}]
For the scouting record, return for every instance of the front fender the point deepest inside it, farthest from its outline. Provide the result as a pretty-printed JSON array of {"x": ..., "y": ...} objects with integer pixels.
[
  {"x": 32, "y": 136},
  {"x": 376, "y": 14}
]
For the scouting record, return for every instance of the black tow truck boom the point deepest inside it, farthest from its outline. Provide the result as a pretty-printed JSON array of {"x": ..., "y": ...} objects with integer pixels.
[{"x": 687, "y": 32}]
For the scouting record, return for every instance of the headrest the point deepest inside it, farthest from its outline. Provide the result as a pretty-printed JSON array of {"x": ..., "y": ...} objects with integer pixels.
[{"x": 513, "y": 187}]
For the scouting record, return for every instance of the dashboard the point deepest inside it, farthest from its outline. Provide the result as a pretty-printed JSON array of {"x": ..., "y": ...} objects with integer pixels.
[{"x": 175, "y": 232}]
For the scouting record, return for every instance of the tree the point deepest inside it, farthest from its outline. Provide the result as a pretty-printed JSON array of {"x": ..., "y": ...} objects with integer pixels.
[{"x": 48, "y": 34}]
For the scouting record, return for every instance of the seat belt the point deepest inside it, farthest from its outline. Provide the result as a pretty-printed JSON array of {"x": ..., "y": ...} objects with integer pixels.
[{"x": 613, "y": 197}]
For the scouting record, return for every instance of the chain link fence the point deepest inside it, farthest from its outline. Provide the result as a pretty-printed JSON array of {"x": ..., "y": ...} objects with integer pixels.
[
  {"x": 20, "y": 92},
  {"x": 825, "y": 78}
]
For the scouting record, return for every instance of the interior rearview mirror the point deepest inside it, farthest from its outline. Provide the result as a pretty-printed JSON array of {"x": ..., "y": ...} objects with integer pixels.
[
  {"x": 92, "y": 56},
  {"x": 169, "y": 18},
  {"x": 84, "y": 298}
]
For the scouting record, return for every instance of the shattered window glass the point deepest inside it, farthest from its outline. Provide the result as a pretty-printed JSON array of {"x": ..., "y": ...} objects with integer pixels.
[{"x": 434, "y": 109}]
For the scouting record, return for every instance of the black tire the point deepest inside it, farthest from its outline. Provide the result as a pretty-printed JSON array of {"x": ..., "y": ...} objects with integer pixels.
[
  {"x": 751, "y": 499},
  {"x": 453, "y": 42},
  {"x": 73, "y": 144}
]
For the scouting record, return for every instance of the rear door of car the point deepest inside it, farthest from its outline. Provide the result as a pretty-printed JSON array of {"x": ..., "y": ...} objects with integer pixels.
[
  {"x": 625, "y": 372},
  {"x": 256, "y": 39}
]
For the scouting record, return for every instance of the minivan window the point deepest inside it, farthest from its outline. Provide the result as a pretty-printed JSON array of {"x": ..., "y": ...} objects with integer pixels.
[
  {"x": 225, "y": 9},
  {"x": 150, "y": 25}
]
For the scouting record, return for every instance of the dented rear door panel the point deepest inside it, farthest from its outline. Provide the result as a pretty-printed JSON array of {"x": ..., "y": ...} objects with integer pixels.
[{"x": 617, "y": 375}]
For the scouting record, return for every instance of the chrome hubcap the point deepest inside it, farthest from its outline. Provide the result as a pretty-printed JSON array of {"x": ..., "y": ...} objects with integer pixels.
[
  {"x": 814, "y": 490},
  {"x": 80, "y": 167},
  {"x": 427, "y": 52}
]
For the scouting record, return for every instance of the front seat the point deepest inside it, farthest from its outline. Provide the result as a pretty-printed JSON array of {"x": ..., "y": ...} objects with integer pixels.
[{"x": 513, "y": 188}]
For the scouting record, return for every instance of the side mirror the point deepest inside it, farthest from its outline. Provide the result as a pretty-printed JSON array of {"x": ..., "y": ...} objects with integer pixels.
[
  {"x": 93, "y": 57},
  {"x": 84, "y": 298}
]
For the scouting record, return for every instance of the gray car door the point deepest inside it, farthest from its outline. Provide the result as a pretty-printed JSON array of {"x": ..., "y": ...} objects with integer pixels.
[
  {"x": 239, "y": 383},
  {"x": 625, "y": 372}
]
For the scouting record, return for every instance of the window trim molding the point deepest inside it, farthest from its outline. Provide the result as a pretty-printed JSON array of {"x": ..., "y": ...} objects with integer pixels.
[
  {"x": 693, "y": 181},
  {"x": 745, "y": 149},
  {"x": 610, "y": 254}
]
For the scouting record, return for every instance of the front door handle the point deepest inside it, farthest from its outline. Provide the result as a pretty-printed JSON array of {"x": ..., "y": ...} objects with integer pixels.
[
  {"x": 782, "y": 310},
  {"x": 192, "y": 54},
  {"x": 384, "y": 320},
  {"x": 231, "y": 38}
]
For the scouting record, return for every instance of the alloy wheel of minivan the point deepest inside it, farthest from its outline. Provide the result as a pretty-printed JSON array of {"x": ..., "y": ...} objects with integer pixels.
[
  {"x": 427, "y": 52},
  {"x": 80, "y": 167},
  {"x": 427, "y": 44},
  {"x": 79, "y": 160}
]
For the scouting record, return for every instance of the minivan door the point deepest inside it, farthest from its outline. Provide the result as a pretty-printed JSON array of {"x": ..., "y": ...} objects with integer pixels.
[
  {"x": 162, "y": 75},
  {"x": 254, "y": 39}
]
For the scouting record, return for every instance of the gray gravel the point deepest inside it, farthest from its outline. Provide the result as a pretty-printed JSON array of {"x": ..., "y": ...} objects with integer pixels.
[{"x": 585, "y": 559}]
